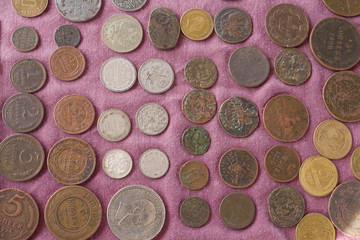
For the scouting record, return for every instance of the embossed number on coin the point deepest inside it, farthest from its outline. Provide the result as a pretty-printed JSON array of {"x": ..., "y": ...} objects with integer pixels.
[{"x": 194, "y": 175}]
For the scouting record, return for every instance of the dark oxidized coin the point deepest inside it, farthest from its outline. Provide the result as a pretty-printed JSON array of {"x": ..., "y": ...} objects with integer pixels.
[
  {"x": 196, "y": 140},
  {"x": 201, "y": 72},
  {"x": 194, "y": 175},
  {"x": 343, "y": 8},
  {"x": 199, "y": 106},
  {"x": 67, "y": 35},
  {"x": 195, "y": 212},
  {"x": 25, "y": 39}
]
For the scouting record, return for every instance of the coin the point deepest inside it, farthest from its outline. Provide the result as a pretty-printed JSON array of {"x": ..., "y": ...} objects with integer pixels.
[
  {"x": 122, "y": 33},
  {"x": 199, "y": 106},
  {"x": 73, "y": 212},
  {"x": 154, "y": 163},
  {"x": 315, "y": 226},
  {"x": 249, "y": 67},
  {"x": 196, "y": 140},
  {"x": 237, "y": 210},
  {"x": 156, "y": 76},
  {"x": 282, "y": 163},
  {"x": 285, "y": 118},
  {"x": 287, "y": 25},
  {"x": 152, "y": 119},
  {"x": 71, "y": 161},
  {"x": 29, "y": 9},
  {"x": 238, "y": 116},
  {"x": 286, "y": 206},
  {"x": 196, "y": 24},
  {"x": 201, "y": 72},
  {"x": 114, "y": 125},
  {"x": 332, "y": 139},
  {"x": 343, "y": 8},
  {"x": 195, "y": 212},
  {"x": 117, "y": 163},
  {"x": 25, "y": 39},
  {"x": 28, "y": 75},
  {"x": 19, "y": 215},
  {"x": 67, "y": 63},
  {"x": 23, "y": 112},
  {"x": 335, "y": 43},
  {"x": 136, "y": 212},
  {"x": 194, "y": 175},
  {"x": 67, "y": 35},
  {"x": 129, "y": 5},
  {"x": 163, "y": 28},
  {"x": 354, "y": 162},
  {"x": 232, "y": 25},
  {"x": 79, "y": 10}
]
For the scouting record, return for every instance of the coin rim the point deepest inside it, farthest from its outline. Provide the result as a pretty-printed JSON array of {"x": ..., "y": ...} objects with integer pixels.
[
  {"x": 115, "y": 150},
  {"x": 131, "y": 9},
  {"x": 203, "y": 166},
  {"x": 26, "y": 50},
  {"x": 352, "y": 162},
  {"x": 337, "y": 13},
  {"x": 142, "y": 159},
  {"x": 195, "y": 38}
]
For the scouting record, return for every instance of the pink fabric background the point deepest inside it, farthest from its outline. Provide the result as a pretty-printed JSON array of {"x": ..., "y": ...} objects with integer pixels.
[{"x": 169, "y": 187}]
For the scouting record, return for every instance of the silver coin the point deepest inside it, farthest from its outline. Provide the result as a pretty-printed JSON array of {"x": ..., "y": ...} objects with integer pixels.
[
  {"x": 154, "y": 163},
  {"x": 114, "y": 125},
  {"x": 117, "y": 163},
  {"x": 152, "y": 119},
  {"x": 129, "y": 5},
  {"x": 78, "y": 10}
]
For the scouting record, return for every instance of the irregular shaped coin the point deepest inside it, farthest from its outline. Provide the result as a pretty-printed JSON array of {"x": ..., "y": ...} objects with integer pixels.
[
  {"x": 79, "y": 10},
  {"x": 117, "y": 163},
  {"x": 25, "y": 39},
  {"x": 129, "y": 5},
  {"x": 194, "y": 175},
  {"x": 154, "y": 163},
  {"x": 67, "y": 35},
  {"x": 195, "y": 212},
  {"x": 152, "y": 119},
  {"x": 33, "y": 8},
  {"x": 114, "y": 125},
  {"x": 196, "y": 140},
  {"x": 201, "y": 72},
  {"x": 343, "y": 8},
  {"x": 199, "y": 106},
  {"x": 315, "y": 226},
  {"x": 196, "y": 24}
]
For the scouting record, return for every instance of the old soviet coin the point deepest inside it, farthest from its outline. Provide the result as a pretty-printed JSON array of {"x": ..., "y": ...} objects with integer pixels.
[
  {"x": 201, "y": 72},
  {"x": 152, "y": 119},
  {"x": 29, "y": 9},
  {"x": 79, "y": 10},
  {"x": 199, "y": 106},
  {"x": 136, "y": 212},
  {"x": 335, "y": 43},
  {"x": 25, "y": 39},
  {"x": 354, "y": 162},
  {"x": 117, "y": 163},
  {"x": 114, "y": 125},
  {"x": 129, "y": 5},
  {"x": 196, "y": 140},
  {"x": 154, "y": 163},
  {"x": 343, "y": 8},
  {"x": 314, "y": 226},
  {"x": 194, "y": 175},
  {"x": 67, "y": 35},
  {"x": 196, "y": 24},
  {"x": 21, "y": 157},
  {"x": 195, "y": 212}
]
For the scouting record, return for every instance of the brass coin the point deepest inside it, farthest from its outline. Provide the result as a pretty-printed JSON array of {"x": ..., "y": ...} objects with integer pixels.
[
  {"x": 194, "y": 175},
  {"x": 199, "y": 106},
  {"x": 196, "y": 140},
  {"x": 195, "y": 212},
  {"x": 201, "y": 72},
  {"x": 29, "y": 9},
  {"x": 355, "y": 163},
  {"x": 25, "y": 39},
  {"x": 315, "y": 226},
  {"x": 196, "y": 24},
  {"x": 67, "y": 35},
  {"x": 343, "y": 8}
]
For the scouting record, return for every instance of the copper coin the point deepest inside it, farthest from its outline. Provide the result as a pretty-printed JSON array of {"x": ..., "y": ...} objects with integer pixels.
[
  {"x": 195, "y": 212},
  {"x": 19, "y": 214},
  {"x": 194, "y": 175},
  {"x": 335, "y": 43},
  {"x": 71, "y": 161},
  {"x": 282, "y": 163},
  {"x": 67, "y": 63},
  {"x": 355, "y": 163},
  {"x": 249, "y": 67},
  {"x": 285, "y": 118},
  {"x": 29, "y": 9},
  {"x": 73, "y": 212},
  {"x": 199, "y": 106},
  {"x": 343, "y": 8},
  {"x": 196, "y": 140},
  {"x": 74, "y": 114},
  {"x": 21, "y": 157},
  {"x": 286, "y": 206},
  {"x": 28, "y": 75},
  {"x": 201, "y": 72},
  {"x": 25, "y": 39},
  {"x": 67, "y": 35},
  {"x": 287, "y": 25},
  {"x": 238, "y": 116}
]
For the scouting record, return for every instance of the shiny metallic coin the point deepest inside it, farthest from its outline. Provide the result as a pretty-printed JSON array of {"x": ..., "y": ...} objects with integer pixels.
[
  {"x": 117, "y": 163},
  {"x": 79, "y": 10},
  {"x": 67, "y": 35},
  {"x": 114, "y": 125},
  {"x": 152, "y": 119},
  {"x": 196, "y": 24},
  {"x": 194, "y": 175},
  {"x": 315, "y": 226},
  {"x": 25, "y": 39},
  {"x": 154, "y": 163},
  {"x": 196, "y": 140},
  {"x": 201, "y": 72},
  {"x": 343, "y": 8},
  {"x": 129, "y": 5},
  {"x": 199, "y": 106},
  {"x": 195, "y": 212},
  {"x": 29, "y": 9}
]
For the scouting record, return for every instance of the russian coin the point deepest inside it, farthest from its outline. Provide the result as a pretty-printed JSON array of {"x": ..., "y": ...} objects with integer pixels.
[
  {"x": 154, "y": 163},
  {"x": 21, "y": 157},
  {"x": 194, "y": 175},
  {"x": 195, "y": 212},
  {"x": 129, "y": 5},
  {"x": 343, "y": 8},
  {"x": 117, "y": 163},
  {"x": 136, "y": 212},
  {"x": 67, "y": 35},
  {"x": 152, "y": 119},
  {"x": 354, "y": 162},
  {"x": 196, "y": 24},
  {"x": 315, "y": 226},
  {"x": 196, "y": 140},
  {"x": 114, "y": 125},
  {"x": 201, "y": 72},
  {"x": 249, "y": 67},
  {"x": 29, "y": 9},
  {"x": 79, "y": 10},
  {"x": 25, "y": 39},
  {"x": 199, "y": 106}
]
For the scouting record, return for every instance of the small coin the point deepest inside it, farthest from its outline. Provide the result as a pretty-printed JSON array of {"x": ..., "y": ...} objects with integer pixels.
[
  {"x": 21, "y": 157},
  {"x": 67, "y": 35},
  {"x": 195, "y": 212},
  {"x": 332, "y": 139},
  {"x": 201, "y": 72},
  {"x": 114, "y": 125},
  {"x": 79, "y": 10},
  {"x": 196, "y": 24},
  {"x": 194, "y": 175},
  {"x": 117, "y": 163},
  {"x": 28, "y": 75},
  {"x": 249, "y": 67},
  {"x": 154, "y": 163},
  {"x": 33, "y": 8},
  {"x": 343, "y": 8},
  {"x": 152, "y": 119},
  {"x": 196, "y": 140},
  {"x": 286, "y": 206},
  {"x": 237, "y": 210},
  {"x": 73, "y": 212},
  {"x": 282, "y": 163},
  {"x": 25, "y": 39},
  {"x": 199, "y": 106},
  {"x": 71, "y": 161},
  {"x": 315, "y": 226},
  {"x": 238, "y": 116},
  {"x": 129, "y": 5},
  {"x": 354, "y": 162}
]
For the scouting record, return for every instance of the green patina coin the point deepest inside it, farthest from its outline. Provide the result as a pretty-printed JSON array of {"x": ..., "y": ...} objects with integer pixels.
[{"x": 196, "y": 140}]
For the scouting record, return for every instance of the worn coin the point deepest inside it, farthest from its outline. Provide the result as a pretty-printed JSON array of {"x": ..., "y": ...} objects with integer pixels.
[
  {"x": 238, "y": 116},
  {"x": 249, "y": 67},
  {"x": 354, "y": 162},
  {"x": 29, "y": 9},
  {"x": 201, "y": 72},
  {"x": 286, "y": 206},
  {"x": 237, "y": 210},
  {"x": 332, "y": 139},
  {"x": 315, "y": 226},
  {"x": 343, "y": 8},
  {"x": 195, "y": 212},
  {"x": 79, "y": 10},
  {"x": 194, "y": 175},
  {"x": 23, "y": 112},
  {"x": 152, "y": 119},
  {"x": 282, "y": 163},
  {"x": 335, "y": 43},
  {"x": 129, "y": 5},
  {"x": 114, "y": 125},
  {"x": 154, "y": 163},
  {"x": 25, "y": 39},
  {"x": 136, "y": 212},
  {"x": 67, "y": 35},
  {"x": 73, "y": 212},
  {"x": 199, "y": 106},
  {"x": 196, "y": 24},
  {"x": 117, "y": 163},
  {"x": 196, "y": 140}
]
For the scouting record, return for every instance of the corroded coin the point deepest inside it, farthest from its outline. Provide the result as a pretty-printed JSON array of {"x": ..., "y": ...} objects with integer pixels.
[
  {"x": 25, "y": 39},
  {"x": 67, "y": 35},
  {"x": 196, "y": 140},
  {"x": 21, "y": 157},
  {"x": 201, "y": 72},
  {"x": 79, "y": 10},
  {"x": 117, "y": 163},
  {"x": 152, "y": 119},
  {"x": 195, "y": 212},
  {"x": 194, "y": 175},
  {"x": 285, "y": 118},
  {"x": 199, "y": 106},
  {"x": 73, "y": 212},
  {"x": 154, "y": 163},
  {"x": 196, "y": 24},
  {"x": 286, "y": 206},
  {"x": 332, "y": 139},
  {"x": 249, "y": 67},
  {"x": 114, "y": 125},
  {"x": 238, "y": 116},
  {"x": 31, "y": 8},
  {"x": 287, "y": 25},
  {"x": 354, "y": 162},
  {"x": 335, "y": 43},
  {"x": 315, "y": 226},
  {"x": 282, "y": 163},
  {"x": 343, "y": 8},
  {"x": 129, "y": 5},
  {"x": 232, "y": 25}
]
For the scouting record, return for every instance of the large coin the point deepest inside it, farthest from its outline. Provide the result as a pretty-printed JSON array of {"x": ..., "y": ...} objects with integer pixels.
[
  {"x": 129, "y": 5},
  {"x": 195, "y": 212},
  {"x": 117, "y": 163},
  {"x": 29, "y": 9},
  {"x": 152, "y": 119},
  {"x": 114, "y": 125},
  {"x": 67, "y": 35},
  {"x": 199, "y": 106},
  {"x": 79, "y": 10},
  {"x": 25, "y": 39},
  {"x": 196, "y": 140},
  {"x": 154, "y": 163},
  {"x": 194, "y": 175},
  {"x": 315, "y": 226},
  {"x": 136, "y": 212},
  {"x": 343, "y": 8},
  {"x": 355, "y": 163},
  {"x": 201, "y": 72},
  {"x": 196, "y": 24}
]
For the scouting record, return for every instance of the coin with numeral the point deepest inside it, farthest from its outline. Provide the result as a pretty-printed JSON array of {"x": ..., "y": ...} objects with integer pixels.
[
  {"x": 194, "y": 175},
  {"x": 25, "y": 39}
]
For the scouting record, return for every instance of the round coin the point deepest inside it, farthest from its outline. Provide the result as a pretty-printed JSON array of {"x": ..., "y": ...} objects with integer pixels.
[
  {"x": 195, "y": 212},
  {"x": 199, "y": 106},
  {"x": 154, "y": 163},
  {"x": 129, "y": 5},
  {"x": 117, "y": 163},
  {"x": 152, "y": 119},
  {"x": 315, "y": 226},
  {"x": 79, "y": 10},
  {"x": 67, "y": 35},
  {"x": 114, "y": 125},
  {"x": 25, "y": 39},
  {"x": 32, "y": 9},
  {"x": 343, "y": 8},
  {"x": 201, "y": 72},
  {"x": 194, "y": 175},
  {"x": 196, "y": 24},
  {"x": 196, "y": 140},
  {"x": 354, "y": 162}
]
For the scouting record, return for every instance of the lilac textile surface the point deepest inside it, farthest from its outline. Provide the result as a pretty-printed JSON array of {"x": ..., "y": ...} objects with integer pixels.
[{"x": 169, "y": 187}]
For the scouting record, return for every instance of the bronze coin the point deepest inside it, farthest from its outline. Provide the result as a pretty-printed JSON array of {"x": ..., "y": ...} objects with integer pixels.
[
  {"x": 343, "y": 8},
  {"x": 67, "y": 35},
  {"x": 71, "y": 161},
  {"x": 238, "y": 116},
  {"x": 238, "y": 168},
  {"x": 237, "y": 210},
  {"x": 282, "y": 163},
  {"x": 199, "y": 106},
  {"x": 286, "y": 206},
  {"x": 196, "y": 140},
  {"x": 285, "y": 118},
  {"x": 249, "y": 67},
  {"x": 194, "y": 175},
  {"x": 201, "y": 72},
  {"x": 25, "y": 39},
  {"x": 19, "y": 214},
  {"x": 355, "y": 163},
  {"x": 73, "y": 212},
  {"x": 67, "y": 63},
  {"x": 74, "y": 114},
  {"x": 287, "y": 25},
  {"x": 195, "y": 212},
  {"x": 335, "y": 43}
]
